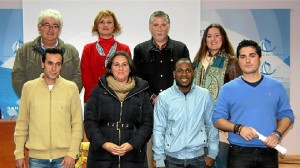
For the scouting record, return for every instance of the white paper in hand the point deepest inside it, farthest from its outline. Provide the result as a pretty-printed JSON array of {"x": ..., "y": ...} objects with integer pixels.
[{"x": 278, "y": 147}]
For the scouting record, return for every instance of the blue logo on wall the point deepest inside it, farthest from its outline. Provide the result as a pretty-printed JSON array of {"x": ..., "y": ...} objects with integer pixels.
[
  {"x": 267, "y": 46},
  {"x": 266, "y": 69},
  {"x": 11, "y": 33},
  {"x": 16, "y": 45}
]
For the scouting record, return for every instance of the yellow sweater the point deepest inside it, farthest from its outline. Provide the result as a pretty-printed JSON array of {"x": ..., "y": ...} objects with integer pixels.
[{"x": 50, "y": 123}]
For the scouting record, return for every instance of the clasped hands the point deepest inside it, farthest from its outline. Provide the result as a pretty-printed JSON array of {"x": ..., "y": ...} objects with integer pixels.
[
  {"x": 116, "y": 149},
  {"x": 248, "y": 134}
]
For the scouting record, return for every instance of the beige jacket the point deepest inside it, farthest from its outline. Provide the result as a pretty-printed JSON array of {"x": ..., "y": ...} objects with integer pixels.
[{"x": 50, "y": 123}]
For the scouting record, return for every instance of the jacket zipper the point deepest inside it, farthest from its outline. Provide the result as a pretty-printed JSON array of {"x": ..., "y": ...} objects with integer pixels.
[
  {"x": 121, "y": 111},
  {"x": 120, "y": 120},
  {"x": 50, "y": 125}
]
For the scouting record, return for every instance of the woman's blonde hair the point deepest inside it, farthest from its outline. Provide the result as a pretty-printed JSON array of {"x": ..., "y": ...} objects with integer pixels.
[{"x": 100, "y": 16}]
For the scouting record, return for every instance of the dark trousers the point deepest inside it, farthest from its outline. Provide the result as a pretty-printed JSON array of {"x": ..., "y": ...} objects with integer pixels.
[
  {"x": 197, "y": 162},
  {"x": 251, "y": 157},
  {"x": 221, "y": 159}
]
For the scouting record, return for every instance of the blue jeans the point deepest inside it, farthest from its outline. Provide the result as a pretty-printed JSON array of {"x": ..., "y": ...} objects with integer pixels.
[
  {"x": 45, "y": 163},
  {"x": 197, "y": 162},
  {"x": 249, "y": 157}
]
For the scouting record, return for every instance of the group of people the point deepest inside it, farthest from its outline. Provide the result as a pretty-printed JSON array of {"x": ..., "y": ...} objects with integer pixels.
[{"x": 185, "y": 108}]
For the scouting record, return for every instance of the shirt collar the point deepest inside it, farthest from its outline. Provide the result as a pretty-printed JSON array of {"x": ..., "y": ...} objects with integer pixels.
[
  {"x": 163, "y": 46},
  {"x": 43, "y": 46}
]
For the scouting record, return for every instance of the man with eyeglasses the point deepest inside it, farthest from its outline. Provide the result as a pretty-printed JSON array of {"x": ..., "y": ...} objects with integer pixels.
[{"x": 28, "y": 57}]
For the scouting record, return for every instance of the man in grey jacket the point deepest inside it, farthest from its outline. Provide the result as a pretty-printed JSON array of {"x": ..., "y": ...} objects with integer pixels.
[{"x": 27, "y": 65}]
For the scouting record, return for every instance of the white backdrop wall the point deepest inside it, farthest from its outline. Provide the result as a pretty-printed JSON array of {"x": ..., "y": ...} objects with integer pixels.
[
  {"x": 133, "y": 16},
  {"x": 185, "y": 26}
]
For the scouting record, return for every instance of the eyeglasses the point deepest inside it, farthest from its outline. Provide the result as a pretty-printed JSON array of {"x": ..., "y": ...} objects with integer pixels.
[{"x": 47, "y": 26}]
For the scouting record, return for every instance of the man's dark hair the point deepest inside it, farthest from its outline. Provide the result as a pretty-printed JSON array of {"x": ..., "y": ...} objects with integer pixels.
[
  {"x": 248, "y": 43},
  {"x": 187, "y": 60},
  {"x": 53, "y": 51}
]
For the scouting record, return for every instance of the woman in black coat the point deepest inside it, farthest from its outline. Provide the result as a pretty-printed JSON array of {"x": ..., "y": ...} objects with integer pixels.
[{"x": 118, "y": 117}]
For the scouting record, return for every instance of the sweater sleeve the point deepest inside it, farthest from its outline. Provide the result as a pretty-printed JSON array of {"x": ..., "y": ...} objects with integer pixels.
[
  {"x": 128, "y": 50},
  {"x": 87, "y": 78},
  {"x": 284, "y": 106},
  {"x": 123, "y": 47},
  {"x": 77, "y": 124},
  {"x": 221, "y": 110},
  {"x": 21, "y": 129}
]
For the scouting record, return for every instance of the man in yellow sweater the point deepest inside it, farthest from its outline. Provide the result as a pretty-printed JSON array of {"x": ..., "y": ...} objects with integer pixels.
[{"x": 50, "y": 122}]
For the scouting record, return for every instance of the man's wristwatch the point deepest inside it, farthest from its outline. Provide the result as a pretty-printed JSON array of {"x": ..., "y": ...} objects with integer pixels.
[{"x": 277, "y": 134}]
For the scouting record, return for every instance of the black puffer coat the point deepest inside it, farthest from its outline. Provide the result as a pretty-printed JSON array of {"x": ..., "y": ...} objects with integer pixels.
[{"x": 104, "y": 106}]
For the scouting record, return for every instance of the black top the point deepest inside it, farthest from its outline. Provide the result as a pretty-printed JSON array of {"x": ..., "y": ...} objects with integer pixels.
[
  {"x": 104, "y": 109},
  {"x": 156, "y": 66}
]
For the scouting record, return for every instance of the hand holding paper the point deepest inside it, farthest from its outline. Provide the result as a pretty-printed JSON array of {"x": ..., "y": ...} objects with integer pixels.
[{"x": 278, "y": 147}]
